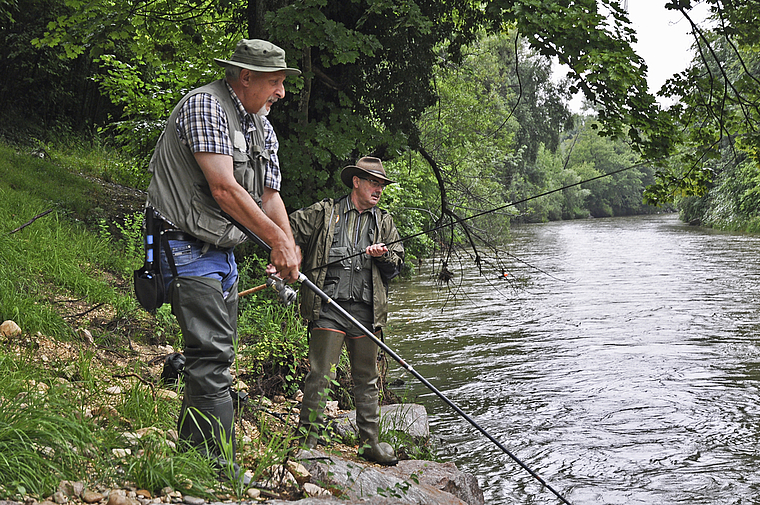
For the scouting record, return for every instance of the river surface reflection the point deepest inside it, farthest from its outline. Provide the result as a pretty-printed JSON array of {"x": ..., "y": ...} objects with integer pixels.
[{"x": 626, "y": 371}]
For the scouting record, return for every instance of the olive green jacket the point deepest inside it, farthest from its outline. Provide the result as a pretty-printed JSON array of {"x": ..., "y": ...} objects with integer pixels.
[{"x": 313, "y": 230}]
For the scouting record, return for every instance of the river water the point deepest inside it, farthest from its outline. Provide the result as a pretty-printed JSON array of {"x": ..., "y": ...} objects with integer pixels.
[{"x": 623, "y": 369}]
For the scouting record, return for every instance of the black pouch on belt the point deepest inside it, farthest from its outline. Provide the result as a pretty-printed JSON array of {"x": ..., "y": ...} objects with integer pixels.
[{"x": 149, "y": 283}]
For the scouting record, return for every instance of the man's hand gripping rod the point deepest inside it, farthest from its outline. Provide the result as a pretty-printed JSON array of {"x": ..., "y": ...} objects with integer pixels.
[{"x": 331, "y": 303}]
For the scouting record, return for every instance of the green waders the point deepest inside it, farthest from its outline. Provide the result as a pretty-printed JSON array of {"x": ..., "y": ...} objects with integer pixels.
[
  {"x": 209, "y": 327},
  {"x": 324, "y": 353}
]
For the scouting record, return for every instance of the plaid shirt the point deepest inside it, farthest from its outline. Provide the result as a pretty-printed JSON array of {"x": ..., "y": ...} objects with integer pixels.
[{"x": 202, "y": 126}]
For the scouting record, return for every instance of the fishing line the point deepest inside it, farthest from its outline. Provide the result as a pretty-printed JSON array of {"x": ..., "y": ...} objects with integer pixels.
[
  {"x": 460, "y": 220},
  {"x": 329, "y": 302}
]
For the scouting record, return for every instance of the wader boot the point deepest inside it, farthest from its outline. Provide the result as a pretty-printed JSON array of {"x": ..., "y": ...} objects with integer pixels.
[
  {"x": 363, "y": 354},
  {"x": 209, "y": 326},
  {"x": 324, "y": 353}
]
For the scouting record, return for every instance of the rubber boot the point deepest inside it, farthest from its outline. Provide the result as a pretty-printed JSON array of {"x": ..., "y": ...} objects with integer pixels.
[
  {"x": 207, "y": 416},
  {"x": 209, "y": 428},
  {"x": 325, "y": 347},
  {"x": 362, "y": 352}
]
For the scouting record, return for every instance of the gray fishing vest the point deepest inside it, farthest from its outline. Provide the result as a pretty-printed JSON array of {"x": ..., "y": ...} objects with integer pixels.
[
  {"x": 350, "y": 278},
  {"x": 179, "y": 190}
]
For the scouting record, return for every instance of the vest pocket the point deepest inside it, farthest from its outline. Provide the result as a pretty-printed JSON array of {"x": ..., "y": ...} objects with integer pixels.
[
  {"x": 208, "y": 217},
  {"x": 339, "y": 258}
]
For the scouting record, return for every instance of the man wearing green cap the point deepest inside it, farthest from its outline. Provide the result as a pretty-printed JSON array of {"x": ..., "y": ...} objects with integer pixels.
[
  {"x": 217, "y": 157},
  {"x": 351, "y": 251}
]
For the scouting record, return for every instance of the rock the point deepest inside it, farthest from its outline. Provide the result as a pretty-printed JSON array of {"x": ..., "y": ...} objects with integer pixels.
[
  {"x": 253, "y": 493},
  {"x": 150, "y": 429},
  {"x": 86, "y": 336},
  {"x": 104, "y": 411},
  {"x": 331, "y": 409},
  {"x": 280, "y": 475},
  {"x": 444, "y": 476},
  {"x": 360, "y": 481},
  {"x": 92, "y": 497},
  {"x": 192, "y": 500},
  {"x": 166, "y": 394},
  {"x": 410, "y": 418},
  {"x": 121, "y": 453},
  {"x": 10, "y": 329},
  {"x": 60, "y": 497},
  {"x": 314, "y": 490},
  {"x": 115, "y": 498},
  {"x": 113, "y": 390},
  {"x": 299, "y": 472},
  {"x": 71, "y": 489},
  {"x": 144, "y": 493}
]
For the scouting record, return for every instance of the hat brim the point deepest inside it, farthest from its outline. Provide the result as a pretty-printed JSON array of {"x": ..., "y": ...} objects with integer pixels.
[
  {"x": 348, "y": 173},
  {"x": 256, "y": 68}
]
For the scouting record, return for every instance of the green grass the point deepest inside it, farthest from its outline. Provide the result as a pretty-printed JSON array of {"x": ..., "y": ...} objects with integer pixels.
[
  {"x": 52, "y": 256},
  {"x": 46, "y": 436}
]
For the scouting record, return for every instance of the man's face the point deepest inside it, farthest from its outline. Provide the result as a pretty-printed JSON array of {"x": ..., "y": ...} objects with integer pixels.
[
  {"x": 367, "y": 191},
  {"x": 264, "y": 88}
]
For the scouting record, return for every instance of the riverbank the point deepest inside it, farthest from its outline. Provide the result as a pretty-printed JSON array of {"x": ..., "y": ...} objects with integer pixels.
[
  {"x": 333, "y": 471},
  {"x": 85, "y": 362}
]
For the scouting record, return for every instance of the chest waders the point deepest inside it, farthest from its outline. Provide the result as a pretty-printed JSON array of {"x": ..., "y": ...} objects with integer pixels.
[
  {"x": 349, "y": 280},
  {"x": 179, "y": 191},
  {"x": 209, "y": 326}
]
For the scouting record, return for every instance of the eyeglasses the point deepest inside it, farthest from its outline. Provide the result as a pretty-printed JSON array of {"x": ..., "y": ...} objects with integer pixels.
[{"x": 374, "y": 183}]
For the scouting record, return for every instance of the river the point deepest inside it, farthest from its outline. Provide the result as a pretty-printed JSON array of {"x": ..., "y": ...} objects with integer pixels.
[{"x": 622, "y": 365}]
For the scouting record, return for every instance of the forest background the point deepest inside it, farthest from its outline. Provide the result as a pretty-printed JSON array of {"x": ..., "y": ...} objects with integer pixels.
[{"x": 456, "y": 96}]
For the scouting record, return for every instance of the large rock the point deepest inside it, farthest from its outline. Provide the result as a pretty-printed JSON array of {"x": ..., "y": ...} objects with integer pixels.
[
  {"x": 413, "y": 482},
  {"x": 410, "y": 418}
]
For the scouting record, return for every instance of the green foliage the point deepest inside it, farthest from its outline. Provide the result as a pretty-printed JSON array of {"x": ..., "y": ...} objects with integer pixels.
[
  {"x": 270, "y": 333},
  {"x": 718, "y": 104},
  {"x": 732, "y": 201},
  {"x": 411, "y": 202},
  {"x": 373, "y": 71}
]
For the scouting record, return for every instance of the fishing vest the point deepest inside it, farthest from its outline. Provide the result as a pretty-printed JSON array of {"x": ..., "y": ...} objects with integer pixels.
[
  {"x": 178, "y": 189},
  {"x": 350, "y": 277}
]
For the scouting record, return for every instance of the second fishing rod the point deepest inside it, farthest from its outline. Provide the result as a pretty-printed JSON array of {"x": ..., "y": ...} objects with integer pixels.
[
  {"x": 329, "y": 302},
  {"x": 459, "y": 220}
]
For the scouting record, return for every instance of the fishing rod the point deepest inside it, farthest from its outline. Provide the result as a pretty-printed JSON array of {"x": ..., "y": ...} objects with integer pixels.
[
  {"x": 329, "y": 302},
  {"x": 490, "y": 211}
]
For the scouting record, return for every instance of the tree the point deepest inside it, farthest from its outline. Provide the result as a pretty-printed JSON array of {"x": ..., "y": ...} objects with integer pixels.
[{"x": 718, "y": 101}]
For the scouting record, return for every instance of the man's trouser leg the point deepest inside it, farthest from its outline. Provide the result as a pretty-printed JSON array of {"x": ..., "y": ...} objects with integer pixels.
[
  {"x": 324, "y": 353},
  {"x": 362, "y": 352},
  {"x": 209, "y": 324}
]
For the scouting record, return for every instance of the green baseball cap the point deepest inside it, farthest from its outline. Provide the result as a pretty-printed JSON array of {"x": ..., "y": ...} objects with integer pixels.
[{"x": 260, "y": 56}]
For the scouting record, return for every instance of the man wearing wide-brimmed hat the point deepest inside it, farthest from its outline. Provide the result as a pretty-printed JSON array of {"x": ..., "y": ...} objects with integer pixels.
[
  {"x": 217, "y": 157},
  {"x": 351, "y": 251}
]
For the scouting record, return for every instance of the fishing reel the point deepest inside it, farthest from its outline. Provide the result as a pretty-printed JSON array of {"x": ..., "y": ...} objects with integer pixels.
[{"x": 285, "y": 292}]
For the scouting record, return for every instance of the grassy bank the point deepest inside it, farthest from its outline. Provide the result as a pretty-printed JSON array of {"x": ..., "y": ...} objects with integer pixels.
[{"x": 80, "y": 391}]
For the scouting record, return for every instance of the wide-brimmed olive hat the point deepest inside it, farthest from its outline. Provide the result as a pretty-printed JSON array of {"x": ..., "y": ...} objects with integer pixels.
[
  {"x": 260, "y": 56},
  {"x": 364, "y": 167}
]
